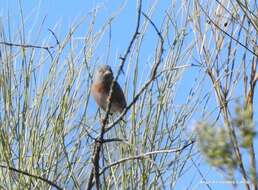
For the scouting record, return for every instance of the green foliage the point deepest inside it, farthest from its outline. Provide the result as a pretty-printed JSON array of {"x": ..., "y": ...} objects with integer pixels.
[
  {"x": 216, "y": 146},
  {"x": 215, "y": 141},
  {"x": 245, "y": 125}
]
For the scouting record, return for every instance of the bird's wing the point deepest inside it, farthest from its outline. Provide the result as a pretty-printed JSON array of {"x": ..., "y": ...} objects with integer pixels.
[{"x": 118, "y": 96}]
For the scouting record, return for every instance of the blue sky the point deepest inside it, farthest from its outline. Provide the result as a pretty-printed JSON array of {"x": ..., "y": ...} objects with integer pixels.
[{"x": 61, "y": 14}]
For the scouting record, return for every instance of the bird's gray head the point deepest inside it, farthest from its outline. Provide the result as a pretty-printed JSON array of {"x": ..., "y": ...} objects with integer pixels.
[{"x": 103, "y": 74}]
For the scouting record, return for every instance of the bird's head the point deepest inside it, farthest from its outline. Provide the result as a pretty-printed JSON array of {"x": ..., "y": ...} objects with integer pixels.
[{"x": 103, "y": 74}]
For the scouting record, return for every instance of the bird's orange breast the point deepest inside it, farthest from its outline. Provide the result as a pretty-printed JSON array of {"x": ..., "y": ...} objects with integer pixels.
[{"x": 97, "y": 88}]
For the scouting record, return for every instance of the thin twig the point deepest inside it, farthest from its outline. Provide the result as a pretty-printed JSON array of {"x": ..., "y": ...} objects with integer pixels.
[
  {"x": 114, "y": 140},
  {"x": 144, "y": 155},
  {"x": 200, "y": 173},
  {"x": 47, "y": 48},
  {"x": 32, "y": 175},
  {"x": 26, "y": 45},
  {"x": 52, "y": 32}
]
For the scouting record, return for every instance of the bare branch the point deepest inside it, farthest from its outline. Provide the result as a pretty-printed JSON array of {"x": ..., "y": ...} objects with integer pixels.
[
  {"x": 52, "y": 32},
  {"x": 32, "y": 175},
  {"x": 47, "y": 48},
  {"x": 144, "y": 155}
]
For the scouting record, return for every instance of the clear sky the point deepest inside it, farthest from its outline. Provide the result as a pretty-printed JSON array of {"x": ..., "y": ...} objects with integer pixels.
[{"x": 59, "y": 15}]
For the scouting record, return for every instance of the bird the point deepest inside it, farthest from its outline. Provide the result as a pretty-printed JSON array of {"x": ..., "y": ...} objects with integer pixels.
[{"x": 100, "y": 90}]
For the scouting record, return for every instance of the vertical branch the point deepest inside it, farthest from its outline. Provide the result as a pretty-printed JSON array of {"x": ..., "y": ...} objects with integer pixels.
[{"x": 249, "y": 105}]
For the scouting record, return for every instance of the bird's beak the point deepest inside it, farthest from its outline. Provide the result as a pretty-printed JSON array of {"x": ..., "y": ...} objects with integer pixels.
[{"x": 107, "y": 72}]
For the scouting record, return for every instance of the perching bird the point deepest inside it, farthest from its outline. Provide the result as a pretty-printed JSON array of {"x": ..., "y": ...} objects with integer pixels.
[{"x": 100, "y": 88}]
